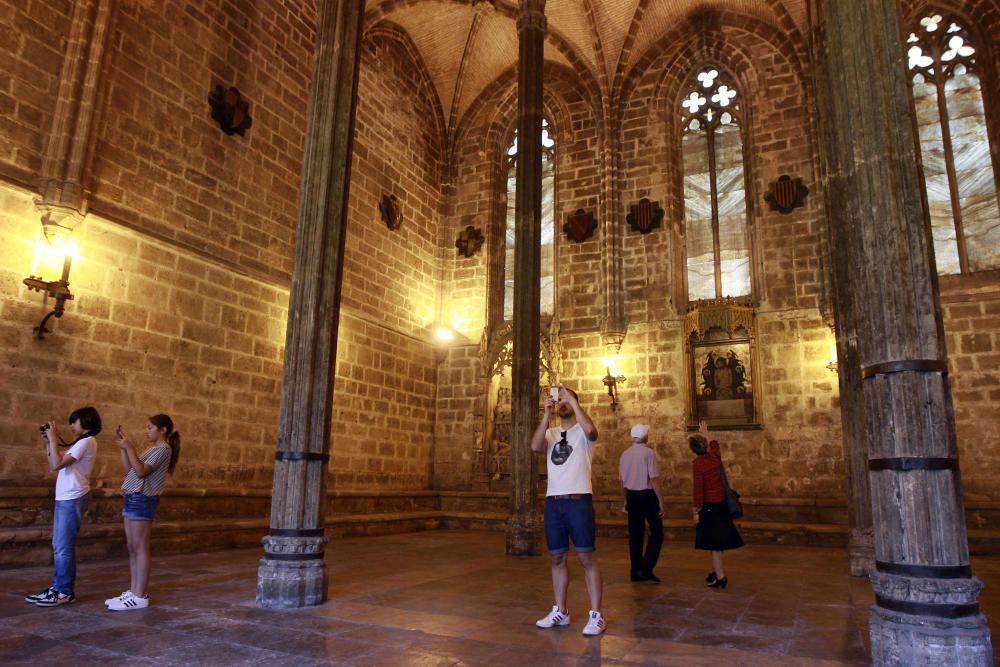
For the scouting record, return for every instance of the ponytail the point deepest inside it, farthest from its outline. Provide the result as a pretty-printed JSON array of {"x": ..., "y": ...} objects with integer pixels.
[{"x": 173, "y": 438}]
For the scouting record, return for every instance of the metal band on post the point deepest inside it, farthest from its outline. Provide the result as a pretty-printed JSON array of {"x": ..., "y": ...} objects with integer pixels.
[
  {"x": 910, "y": 463},
  {"x": 301, "y": 456},
  {"x": 902, "y": 365},
  {"x": 925, "y": 571},
  {"x": 928, "y": 608},
  {"x": 296, "y": 532},
  {"x": 287, "y": 557}
]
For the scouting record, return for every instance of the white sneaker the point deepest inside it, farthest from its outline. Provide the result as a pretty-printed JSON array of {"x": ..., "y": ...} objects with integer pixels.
[
  {"x": 129, "y": 601},
  {"x": 595, "y": 624},
  {"x": 109, "y": 601},
  {"x": 554, "y": 618}
]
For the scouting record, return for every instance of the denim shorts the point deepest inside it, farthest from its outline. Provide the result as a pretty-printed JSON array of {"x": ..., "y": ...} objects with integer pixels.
[
  {"x": 139, "y": 506},
  {"x": 570, "y": 519}
]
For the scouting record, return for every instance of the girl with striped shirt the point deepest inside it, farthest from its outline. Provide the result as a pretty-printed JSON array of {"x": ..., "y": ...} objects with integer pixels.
[{"x": 145, "y": 476}]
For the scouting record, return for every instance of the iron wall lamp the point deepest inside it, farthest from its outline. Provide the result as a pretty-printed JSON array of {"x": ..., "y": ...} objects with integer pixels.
[
  {"x": 612, "y": 382},
  {"x": 57, "y": 289}
]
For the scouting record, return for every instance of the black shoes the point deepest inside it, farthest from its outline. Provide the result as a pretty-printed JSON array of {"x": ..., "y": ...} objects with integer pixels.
[
  {"x": 710, "y": 579},
  {"x": 719, "y": 583},
  {"x": 641, "y": 576}
]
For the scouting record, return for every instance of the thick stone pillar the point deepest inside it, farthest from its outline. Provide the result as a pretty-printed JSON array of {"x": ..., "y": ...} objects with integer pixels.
[
  {"x": 523, "y": 524},
  {"x": 926, "y": 609},
  {"x": 836, "y": 288},
  {"x": 292, "y": 572}
]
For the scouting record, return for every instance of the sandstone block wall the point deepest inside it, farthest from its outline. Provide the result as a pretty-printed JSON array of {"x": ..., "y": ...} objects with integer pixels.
[{"x": 182, "y": 277}]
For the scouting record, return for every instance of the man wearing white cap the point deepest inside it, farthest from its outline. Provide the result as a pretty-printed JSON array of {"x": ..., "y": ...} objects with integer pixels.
[{"x": 639, "y": 475}]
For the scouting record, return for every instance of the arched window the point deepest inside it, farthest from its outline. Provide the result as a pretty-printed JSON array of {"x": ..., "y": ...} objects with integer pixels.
[
  {"x": 548, "y": 225},
  {"x": 715, "y": 208},
  {"x": 954, "y": 145}
]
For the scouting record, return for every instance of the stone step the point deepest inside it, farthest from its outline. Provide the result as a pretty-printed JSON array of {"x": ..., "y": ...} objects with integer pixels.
[{"x": 242, "y": 520}]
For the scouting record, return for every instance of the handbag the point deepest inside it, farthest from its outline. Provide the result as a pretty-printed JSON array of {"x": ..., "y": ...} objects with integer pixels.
[{"x": 733, "y": 503}]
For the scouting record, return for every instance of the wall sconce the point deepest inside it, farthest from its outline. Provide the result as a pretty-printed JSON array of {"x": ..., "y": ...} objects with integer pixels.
[
  {"x": 612, "y": 382},
  {"x": 57, "y": 289},
  {"x": 832, "y": 366}
]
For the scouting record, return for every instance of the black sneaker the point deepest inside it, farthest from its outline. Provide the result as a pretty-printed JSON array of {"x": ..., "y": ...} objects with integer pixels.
[
  {"x": 54, "y": 599},
  {"x": 33, "y": 599}
]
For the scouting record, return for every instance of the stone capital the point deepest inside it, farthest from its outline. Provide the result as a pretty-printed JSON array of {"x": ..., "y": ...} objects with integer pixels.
[{"x": 532, "y": 17}]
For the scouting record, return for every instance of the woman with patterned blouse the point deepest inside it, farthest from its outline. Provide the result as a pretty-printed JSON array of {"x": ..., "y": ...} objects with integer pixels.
[{"x": 145, "y": 476}]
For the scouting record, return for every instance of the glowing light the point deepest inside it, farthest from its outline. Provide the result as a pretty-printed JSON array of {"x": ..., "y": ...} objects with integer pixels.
[{"x": 444, "y": 334}]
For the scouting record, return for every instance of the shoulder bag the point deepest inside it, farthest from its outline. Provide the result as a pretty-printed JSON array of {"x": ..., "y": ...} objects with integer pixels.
[{"x": 732, "y": 497}]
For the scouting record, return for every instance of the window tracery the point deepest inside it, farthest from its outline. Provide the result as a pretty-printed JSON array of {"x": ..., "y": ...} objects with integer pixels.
[
  {"x": 958, "y": 170},
  {"x": 547, "y": 298},
  {"x": 715, "y": 207}
]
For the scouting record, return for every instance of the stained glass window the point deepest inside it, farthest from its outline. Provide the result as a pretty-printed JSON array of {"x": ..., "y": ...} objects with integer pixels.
[
  {"x": 954, "y": 146},
  {"x": 548, "y": 225},
  {"x": 715, "y": 209}
]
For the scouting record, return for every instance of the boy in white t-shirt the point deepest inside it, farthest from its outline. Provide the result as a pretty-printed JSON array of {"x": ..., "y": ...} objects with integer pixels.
[
  {"x": 72, "y": 498},
  {"x": 569, "y": 508}
]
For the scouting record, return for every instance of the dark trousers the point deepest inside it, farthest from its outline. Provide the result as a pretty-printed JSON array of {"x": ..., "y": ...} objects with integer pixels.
[{"x": 643, "y": 508}]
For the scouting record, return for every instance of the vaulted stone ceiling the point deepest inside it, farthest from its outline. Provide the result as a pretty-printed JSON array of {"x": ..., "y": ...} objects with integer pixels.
[{"x": 467, "y": 44}]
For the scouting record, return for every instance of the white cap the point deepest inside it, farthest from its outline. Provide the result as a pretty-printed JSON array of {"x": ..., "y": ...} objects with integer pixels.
[{"x": 640, "y": 431}]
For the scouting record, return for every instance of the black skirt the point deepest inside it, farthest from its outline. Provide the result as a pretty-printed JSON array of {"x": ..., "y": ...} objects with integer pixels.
[{"x": 715, "y": 530}]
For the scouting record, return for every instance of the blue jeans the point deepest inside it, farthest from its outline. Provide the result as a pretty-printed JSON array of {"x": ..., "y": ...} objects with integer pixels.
[{"x": 65, "y": 526}]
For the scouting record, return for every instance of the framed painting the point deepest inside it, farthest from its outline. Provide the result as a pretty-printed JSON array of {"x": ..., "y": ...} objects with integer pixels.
[{"x": 722, "y": 368}]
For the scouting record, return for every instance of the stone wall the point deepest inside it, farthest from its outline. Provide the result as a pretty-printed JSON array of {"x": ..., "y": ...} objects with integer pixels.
[
  {"x": 152, "y": 328},
  {"x": 798, "y": 452},
  {"x": 183, "y": 264},
  {"x": 182, "y": 275}
]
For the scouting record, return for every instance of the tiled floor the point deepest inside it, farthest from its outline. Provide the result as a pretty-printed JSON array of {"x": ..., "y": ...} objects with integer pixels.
[{"x": 453, "y": 598}]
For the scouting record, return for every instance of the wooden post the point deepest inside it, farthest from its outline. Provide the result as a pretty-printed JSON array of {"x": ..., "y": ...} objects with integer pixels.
[
  {"x": 292, "y": 572},
  {"x": 837, "y": 288},
  {"x": 523, "y": 525},
  {"x": 926, "y": 609}
]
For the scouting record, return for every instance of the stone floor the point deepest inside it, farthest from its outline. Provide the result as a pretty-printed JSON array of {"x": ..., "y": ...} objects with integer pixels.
[{"x": 452, "y": 598}]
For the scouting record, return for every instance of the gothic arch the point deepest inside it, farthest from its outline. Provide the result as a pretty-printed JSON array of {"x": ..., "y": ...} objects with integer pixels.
[{"x": 389, "y": 31}]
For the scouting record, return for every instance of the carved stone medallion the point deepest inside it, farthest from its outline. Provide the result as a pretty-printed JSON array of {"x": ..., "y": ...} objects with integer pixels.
[
  {"x": 580, "y": 226},
  {"x": 392, "y": 213},
  {"x": 786, "y": 194},
  {"x": 645, "y": 216},
  {"x": 469, "y": 241}
]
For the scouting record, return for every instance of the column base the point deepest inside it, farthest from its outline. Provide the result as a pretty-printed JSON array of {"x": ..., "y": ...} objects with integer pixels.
[
  {"x": 523, "y": 536},
  {"x": 901, "y": 639},
  {"x": 290, "y": 584},
  {"x": 292, "y": 572},
  {"x": 928, "y": 621}
]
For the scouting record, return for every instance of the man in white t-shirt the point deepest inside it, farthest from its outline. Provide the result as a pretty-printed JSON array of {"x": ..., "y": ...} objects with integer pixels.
[
  {"x": 569, "y": 508},
  {"x": 72, "y": 498}
]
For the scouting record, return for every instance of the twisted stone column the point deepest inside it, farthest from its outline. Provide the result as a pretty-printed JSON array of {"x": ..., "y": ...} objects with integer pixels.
[
  {"x": 292, "y": 572},
  {"x": 523, "y": 525},
  {"x": 926, "y": 609}
]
